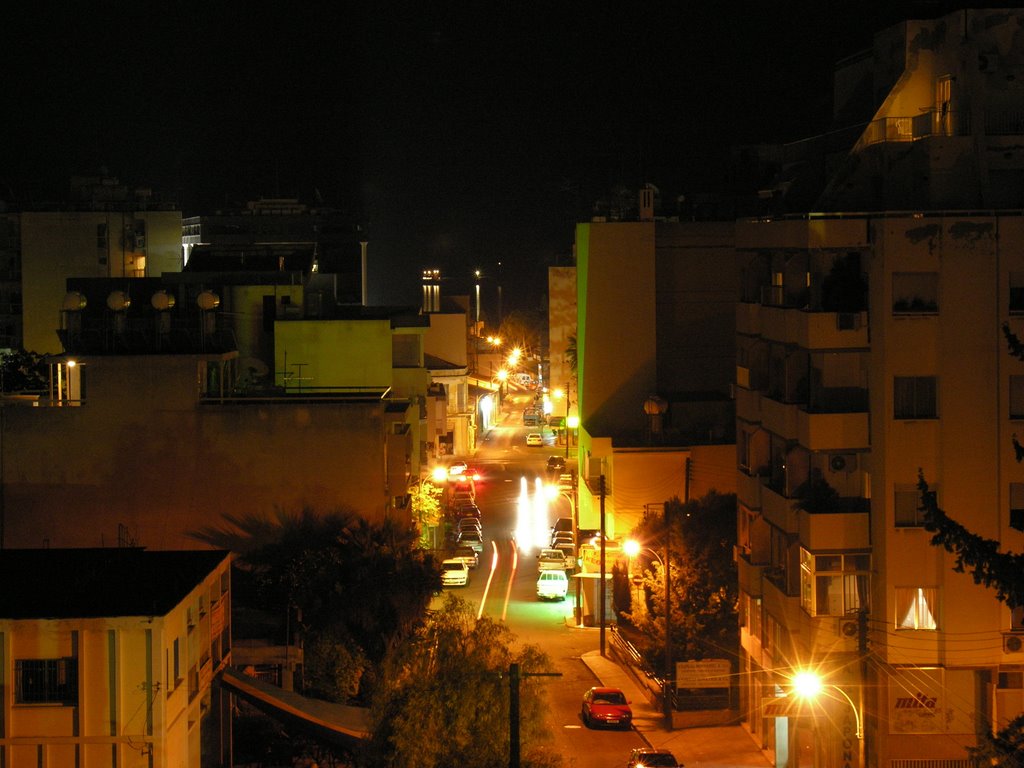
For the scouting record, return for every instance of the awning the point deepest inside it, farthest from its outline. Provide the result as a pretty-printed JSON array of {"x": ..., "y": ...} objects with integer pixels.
[{"x": 337, "y": 723}]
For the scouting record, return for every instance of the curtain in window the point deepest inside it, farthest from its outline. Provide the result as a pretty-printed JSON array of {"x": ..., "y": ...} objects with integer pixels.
[{"x": 916, "y": 607}]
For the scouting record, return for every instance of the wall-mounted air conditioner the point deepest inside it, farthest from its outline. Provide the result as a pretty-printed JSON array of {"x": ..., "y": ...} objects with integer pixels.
[
  {"x": 842, "y": 462},
  {"x": 848, "y": 628},
  {"x": 1013, "y": 643},
  {"x": 847, "y": 321}
]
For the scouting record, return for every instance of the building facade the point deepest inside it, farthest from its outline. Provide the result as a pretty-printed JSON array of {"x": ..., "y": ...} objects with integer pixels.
[
  {"x": 871, "y": 353},
  {"x": 104, "y": 231},
  {"x": 108, "y": 657},
  {"x": 655, "y": 328}
]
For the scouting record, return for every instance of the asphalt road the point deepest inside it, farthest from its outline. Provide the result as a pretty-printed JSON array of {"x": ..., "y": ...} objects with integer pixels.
[{"x": 509, "y": 595}]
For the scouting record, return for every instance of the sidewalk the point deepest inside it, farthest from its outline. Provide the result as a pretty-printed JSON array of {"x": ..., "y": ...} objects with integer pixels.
[{"x": 726, "y": 746}]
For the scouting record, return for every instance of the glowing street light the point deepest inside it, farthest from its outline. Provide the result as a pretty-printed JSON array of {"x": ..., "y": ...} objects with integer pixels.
[
  {"x": 632, "y": 549},
  {"x": 809, "y": 686}
]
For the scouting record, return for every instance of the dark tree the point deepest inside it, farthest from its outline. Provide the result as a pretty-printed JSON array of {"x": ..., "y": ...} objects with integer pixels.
[
  {"x": 703, "y": 589},
  {"x": 22, "y": 371},
  {"x": 355, "y": 587}
]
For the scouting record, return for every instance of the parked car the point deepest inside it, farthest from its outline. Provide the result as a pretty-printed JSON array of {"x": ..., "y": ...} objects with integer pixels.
[
  {"x": 555, "y": 465},
  {"x": 473, "y": 538},
  {"x": 551, "y": 560},
  {"x": 568, "y": 553},
  {"x": 645, "y": 757},
  {"x": 562, "y": 524},
  {"x": 461, "y": 499},
  {"x": 535, "y": 438},
  {"x": 606, "y": 706},
  {"x": 465, "y": 523},
  {"x": 552, "y": 585},
  {"x": 562, "y": 537},
  {"x": 454, "y": 573},
  {"x": 468, "y": 555},
  {"x": 468, "y": 510}
]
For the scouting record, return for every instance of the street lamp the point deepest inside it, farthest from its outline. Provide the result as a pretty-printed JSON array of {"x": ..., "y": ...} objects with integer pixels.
[
  {"x": 808, "y": 685},
  {"x": 633, "y": 548},
  {"x": 502, "y": 377},
  {"x": 553, "y": 492}
]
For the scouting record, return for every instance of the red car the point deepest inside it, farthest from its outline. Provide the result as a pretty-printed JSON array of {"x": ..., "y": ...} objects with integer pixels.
[{"x": 606, "y": 706}]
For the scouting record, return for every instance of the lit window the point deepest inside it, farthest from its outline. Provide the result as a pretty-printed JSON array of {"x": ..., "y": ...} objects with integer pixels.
[
  {"x": 834, "y": 585},
  {"x": 916, "y": 607}
]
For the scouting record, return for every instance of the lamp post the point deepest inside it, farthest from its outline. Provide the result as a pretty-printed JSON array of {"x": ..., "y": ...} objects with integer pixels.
[
  {"x": 567, "y": 421},
  {"x": 632, "y": 549},
  {"x": 808, "y": 685},
  {"x": 553, "y": 492}
]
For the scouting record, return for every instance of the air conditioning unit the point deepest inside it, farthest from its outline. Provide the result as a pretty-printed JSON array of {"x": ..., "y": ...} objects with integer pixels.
[
  {"x": 848, "y": 321},
  {"x": 842, "y": 462},
  {"x": 848, "y": 628},
  {"x": 1013, "y": 643}
]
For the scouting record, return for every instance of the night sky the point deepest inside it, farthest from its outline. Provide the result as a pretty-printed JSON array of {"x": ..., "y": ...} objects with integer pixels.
[{"x": 462, "y": 134}]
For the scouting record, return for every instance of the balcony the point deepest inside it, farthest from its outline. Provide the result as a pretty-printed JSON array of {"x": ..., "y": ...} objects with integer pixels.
[
  {"x": 750, "y": 576},
  {"x": 748, "y": 404},
  {"x": 779, "y": 510},
  {"x": 830, "y": 431},
  {"x": 780, "y": 418},
  {"x": 835, "y": 530},
  {"x": 748, "y": 490},
  {"x": 748, "y": 318}
]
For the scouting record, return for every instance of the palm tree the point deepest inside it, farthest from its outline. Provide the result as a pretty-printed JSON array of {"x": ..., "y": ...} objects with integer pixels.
[
  {"x": 343, "y": 574},
  {"x": 570, "y": 353}
]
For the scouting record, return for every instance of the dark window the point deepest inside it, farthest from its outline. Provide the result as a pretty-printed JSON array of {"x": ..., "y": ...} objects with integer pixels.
[
  {"x": 906, "y": 505},
  {"x": 46, "y": 681},
  {"x": 1017, "y": 293},
  {"x": 914, "y": 397},
  {"x": 1017, "y": 397},
  {"x": 915, "y": 292},
  {"x": 1017, "y": 506}
]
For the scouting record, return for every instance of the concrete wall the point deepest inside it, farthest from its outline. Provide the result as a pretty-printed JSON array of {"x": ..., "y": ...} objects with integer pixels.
[
  {"x": 125, "y": 671},
  {"x": 56, "y": 246},
  {"x": 616, "y": 336},
  {"x": 143, "y": 452}
]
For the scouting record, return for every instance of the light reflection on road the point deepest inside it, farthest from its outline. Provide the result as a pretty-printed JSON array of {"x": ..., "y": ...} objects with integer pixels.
[
  {"x": 490, "y": 578},
  {"x": 511, "y": 578},
  {"x": 533, "y": 526}
]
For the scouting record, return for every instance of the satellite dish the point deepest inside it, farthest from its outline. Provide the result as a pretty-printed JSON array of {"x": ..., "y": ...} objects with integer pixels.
[
  {"x": 162, "y": 301},
  {"x": 73, "y": 302},
  {"x": 118, "y": 301},
  {"x": 208, "y": 300}
]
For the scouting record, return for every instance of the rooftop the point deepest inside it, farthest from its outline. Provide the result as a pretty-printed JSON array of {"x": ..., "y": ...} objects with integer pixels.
[{"x": 99, "y": 582}]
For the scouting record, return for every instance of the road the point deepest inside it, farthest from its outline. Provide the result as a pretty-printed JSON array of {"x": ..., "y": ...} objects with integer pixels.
[{"x": 504, "y": 461}]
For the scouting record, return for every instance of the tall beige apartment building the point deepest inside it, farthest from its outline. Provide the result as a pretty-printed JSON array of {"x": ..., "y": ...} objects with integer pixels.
[{"x": 869, "y": 349}]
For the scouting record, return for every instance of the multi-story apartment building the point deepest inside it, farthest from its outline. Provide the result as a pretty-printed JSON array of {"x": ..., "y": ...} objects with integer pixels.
[
  {"x": 108, "y": 657},
  {"x": 177, "y": 428},
  {"x": 869, "y": 349},
  {"x": 104, "y": 230},
  {"x": 654, "y": 326}
]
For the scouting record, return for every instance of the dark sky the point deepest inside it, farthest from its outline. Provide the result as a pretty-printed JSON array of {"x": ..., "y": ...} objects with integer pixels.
[{"x": 464, "y": 134}]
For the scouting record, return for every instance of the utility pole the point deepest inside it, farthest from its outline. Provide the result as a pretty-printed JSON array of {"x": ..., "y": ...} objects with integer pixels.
[
  {"x": 603, "y": 587},
  {"x": 514, "y": 676},
  {"x": 669, "y": 672}
]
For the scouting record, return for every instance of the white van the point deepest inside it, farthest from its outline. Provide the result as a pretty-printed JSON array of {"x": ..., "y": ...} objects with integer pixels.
[{"x": 552, "y": 585}]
